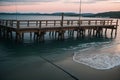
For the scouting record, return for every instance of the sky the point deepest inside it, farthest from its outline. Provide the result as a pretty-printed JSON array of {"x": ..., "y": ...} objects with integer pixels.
[{"x": 51, "y": 6}]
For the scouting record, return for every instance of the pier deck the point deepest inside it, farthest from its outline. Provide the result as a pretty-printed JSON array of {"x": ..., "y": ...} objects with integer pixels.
[{"x": 56, "y": 27}]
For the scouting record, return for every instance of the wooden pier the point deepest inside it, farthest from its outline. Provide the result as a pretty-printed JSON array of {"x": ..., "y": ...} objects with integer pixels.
[{"x": 56, "y": 28}]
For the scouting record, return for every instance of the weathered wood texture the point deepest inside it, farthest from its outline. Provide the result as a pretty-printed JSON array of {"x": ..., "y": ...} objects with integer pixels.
[{"x": 57, "y": 27}]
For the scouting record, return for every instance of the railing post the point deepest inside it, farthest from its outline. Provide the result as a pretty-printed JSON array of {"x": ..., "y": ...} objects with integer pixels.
[
  {"x": 111, "y": 22},
  {"x": 107, "y": 22},
  {"x": 18, "y": 24},
  {"x": 79, "y": 22},
  {"x": 89, "y": 22},
  {"x": 100, "y": 22},
  {"x": 39, "y": 24},
  {"x": 27, "y": 23},
  {"x": 68, "y": 22},
  {"x": 11, "y": 23},
  {"x": 104, "y": 22},
  {"x": 71, "y": 22},
  {"x": 116, "y": 23},
  {"x": 95, "y": 22},
  {"x": 46, "y": 23},
  {"x": 0, "y": 22},
  {"x": 3, "y": 23},
  {"x": 54, "y": 22},
  {"x": 36, "y": 23},
  {"x": 116, "y": 27},
  {"x": 62, "y": 19},
  {"x": 6, "y": 24}
]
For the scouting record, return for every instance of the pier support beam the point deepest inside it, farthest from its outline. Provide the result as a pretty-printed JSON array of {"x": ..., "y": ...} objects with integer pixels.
[
  {"x": 80, "y": 32},
  {"x": 39, "y": 36},
  {"x": 0, "y": 31},
  {"x": 70, "y": 33},
  {"x": 30, "y": 35},
  {"x": 99, "y": 32},
  {"x": 105, "y": 32},
  {"x": 19, "y": 36},
  {"x": 61, "y": 35},
  {"x": 56, "y": 28}
]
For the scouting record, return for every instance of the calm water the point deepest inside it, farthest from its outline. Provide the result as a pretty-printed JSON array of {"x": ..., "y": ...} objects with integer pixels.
[
  {"x": 17, "y": 59},
  {"x": 37, "y": 17}
]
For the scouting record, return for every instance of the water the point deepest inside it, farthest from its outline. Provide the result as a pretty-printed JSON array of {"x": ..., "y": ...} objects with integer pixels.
[
  {"x": 39, "y": 17},
  {"x": 23, "y": 61},
  {"x": 99, "y": 59}
]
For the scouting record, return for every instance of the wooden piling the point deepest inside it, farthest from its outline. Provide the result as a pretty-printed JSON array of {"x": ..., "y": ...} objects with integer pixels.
[{"x": 56, "y": 28}]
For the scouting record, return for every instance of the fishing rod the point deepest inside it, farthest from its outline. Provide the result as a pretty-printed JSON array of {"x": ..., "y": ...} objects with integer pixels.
[
  {"x": 80, "y": 11},
  {"x": 16, "y": 8}
]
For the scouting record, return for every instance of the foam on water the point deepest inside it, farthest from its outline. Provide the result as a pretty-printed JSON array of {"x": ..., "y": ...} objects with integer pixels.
[
  {"x": 87, "y": 45},
  {"x": 102, "y": 59}
]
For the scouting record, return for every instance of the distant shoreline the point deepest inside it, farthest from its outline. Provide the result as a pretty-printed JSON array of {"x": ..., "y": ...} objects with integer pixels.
[{"x": 111, "y": 14}]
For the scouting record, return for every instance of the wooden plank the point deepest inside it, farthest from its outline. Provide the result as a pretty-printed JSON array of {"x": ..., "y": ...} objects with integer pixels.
[{"x": 55, "y": 25}]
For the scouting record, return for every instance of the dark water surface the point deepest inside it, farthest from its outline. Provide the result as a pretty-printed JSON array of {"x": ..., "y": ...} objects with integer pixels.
[{"x": 23, "y": 61}]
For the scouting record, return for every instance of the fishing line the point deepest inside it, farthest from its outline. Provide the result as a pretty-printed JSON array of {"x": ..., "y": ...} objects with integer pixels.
[
  {"x": 15, "y": 3},
  {"x": 80, "y": 10},
  {"x": 59, "y": 68}
]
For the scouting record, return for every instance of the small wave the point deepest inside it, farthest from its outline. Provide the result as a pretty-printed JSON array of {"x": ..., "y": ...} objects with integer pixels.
[
  {"x": 87, "y": 45},
  {"x": 99, "y": 58}
]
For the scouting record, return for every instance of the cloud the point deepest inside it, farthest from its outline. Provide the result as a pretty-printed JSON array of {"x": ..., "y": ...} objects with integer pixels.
[
  {"x": 17, "y": 3},
  {"x": 23, "y": 2},
  {"x": 89, "y": 1},
  {"x": 115, "y": 1},
  {"x": 27, "y": 0},
  {"x": 35, "y": 2},
  {"x": 77, "y": 1}
]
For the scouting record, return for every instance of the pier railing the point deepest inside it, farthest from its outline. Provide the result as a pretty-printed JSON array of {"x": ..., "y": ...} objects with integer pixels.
[
  {"x": 54, "y": 23},
  {"x": 57, "y": 28}
]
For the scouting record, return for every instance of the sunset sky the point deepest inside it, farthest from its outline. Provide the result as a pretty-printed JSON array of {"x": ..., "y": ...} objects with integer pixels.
[{"x": 50, "y": 6}]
